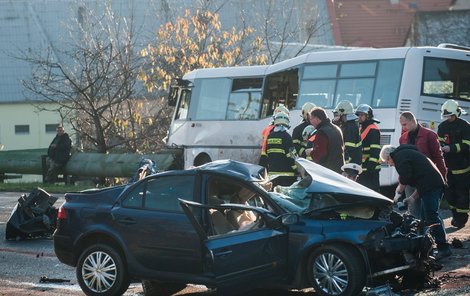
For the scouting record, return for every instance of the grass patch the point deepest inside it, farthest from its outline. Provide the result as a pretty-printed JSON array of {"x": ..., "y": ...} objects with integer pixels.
[{"x": 51, "y": 188}]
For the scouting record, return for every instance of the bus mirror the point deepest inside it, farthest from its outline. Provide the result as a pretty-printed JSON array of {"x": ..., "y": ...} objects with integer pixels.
[{"x": 172, "y": 96}]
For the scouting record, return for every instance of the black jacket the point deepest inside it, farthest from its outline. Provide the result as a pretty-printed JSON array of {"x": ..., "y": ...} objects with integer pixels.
[
  {"x": 352, "y": 142},
  {"x": 456, "y": 135},
  {"x": 61, "y": 152},
  {"x": 334, "y": 159},
  {"x": 279, "y": 149},
  {"x": 415, "y": 169},
  {"x": 297, "y": 139}
]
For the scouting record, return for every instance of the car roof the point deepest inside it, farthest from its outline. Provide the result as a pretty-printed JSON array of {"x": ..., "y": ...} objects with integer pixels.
[{"x": 233, "y": 168}]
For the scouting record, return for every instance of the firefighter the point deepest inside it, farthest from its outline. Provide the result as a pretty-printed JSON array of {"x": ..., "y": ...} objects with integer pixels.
[
  {"x": 347, "y": 121},
  {"x": 308, "y": 137},
  {"x": 351, "y": 170},
  {"x": 454, "y": 137},
  {"x": 297, "y": 139},
  {"x": 370, "y": 137},
  {"x": 266, "y": 131},
  {"x": 280, "y": 152}
]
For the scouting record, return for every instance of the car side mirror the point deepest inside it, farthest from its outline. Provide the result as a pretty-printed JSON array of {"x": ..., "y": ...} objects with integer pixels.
[{"x": 289, "y": 218}]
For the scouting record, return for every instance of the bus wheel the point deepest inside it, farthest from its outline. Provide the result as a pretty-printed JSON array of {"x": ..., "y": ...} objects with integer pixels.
[{"x": 201, "y": 159}]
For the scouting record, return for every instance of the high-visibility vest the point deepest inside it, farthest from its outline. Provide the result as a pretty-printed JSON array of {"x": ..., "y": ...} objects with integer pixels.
[{"x": 264, "y": 137}]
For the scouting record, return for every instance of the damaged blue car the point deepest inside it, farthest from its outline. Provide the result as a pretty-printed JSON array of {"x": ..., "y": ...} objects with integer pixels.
[{"x": 222, "y": 226}]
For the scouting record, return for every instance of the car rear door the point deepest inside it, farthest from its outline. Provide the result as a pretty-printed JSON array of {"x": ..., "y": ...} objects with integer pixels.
[
  {"x": 158, "y": 235},
  {"x": 242, "y": 259}
]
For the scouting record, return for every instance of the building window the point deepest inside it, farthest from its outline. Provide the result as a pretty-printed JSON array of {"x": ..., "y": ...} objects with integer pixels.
[
  {"x": 50, "y": 128},
  {"x": 22, "y": 129}
]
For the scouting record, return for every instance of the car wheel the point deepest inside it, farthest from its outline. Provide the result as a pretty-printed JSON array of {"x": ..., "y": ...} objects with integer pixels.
[
  {"x": 156, "y": 288},
  {"x": 336, "y": 270},
  {"x": 101, "y": 271}
]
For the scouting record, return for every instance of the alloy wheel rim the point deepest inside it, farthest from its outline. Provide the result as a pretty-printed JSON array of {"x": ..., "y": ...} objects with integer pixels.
[
  {"x": 330, "y": 273},
  {"x": 99, "y": 272}
]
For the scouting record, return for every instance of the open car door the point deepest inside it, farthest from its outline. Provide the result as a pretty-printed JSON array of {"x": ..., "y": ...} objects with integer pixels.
[{"x": 241, "y": 259}]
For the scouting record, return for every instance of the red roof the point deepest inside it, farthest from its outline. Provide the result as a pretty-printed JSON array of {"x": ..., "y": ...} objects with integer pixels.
[{"x": 377, "y": 23}]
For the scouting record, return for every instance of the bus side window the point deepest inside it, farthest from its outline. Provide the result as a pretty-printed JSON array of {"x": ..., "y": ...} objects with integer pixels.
[{"x": 183, "y": 106}]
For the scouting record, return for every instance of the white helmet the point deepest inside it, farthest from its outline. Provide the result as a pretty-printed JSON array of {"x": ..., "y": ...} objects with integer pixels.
[
  {"x": 451, "y": 107},
  {"x": 345, "y": 108},
  {"x": 281, "y": 108},
  {"x": 282, "y": 118},
  {"x": 306, "y": 108},
  {"x": 308, "y": 131},
  {"x": 353, "y": 168}
]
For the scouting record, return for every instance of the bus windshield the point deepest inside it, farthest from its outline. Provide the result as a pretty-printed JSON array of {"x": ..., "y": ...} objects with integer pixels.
[{"x": 226, "y": 99}]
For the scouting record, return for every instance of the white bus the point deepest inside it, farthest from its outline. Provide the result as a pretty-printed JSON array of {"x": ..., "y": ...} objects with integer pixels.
[{"x": 221, "y": 112}]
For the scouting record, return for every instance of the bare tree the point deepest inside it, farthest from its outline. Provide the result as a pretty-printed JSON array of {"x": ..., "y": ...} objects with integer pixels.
[
  {"x": 92, "y": 82},
  {"x": 286, "y": 27}
]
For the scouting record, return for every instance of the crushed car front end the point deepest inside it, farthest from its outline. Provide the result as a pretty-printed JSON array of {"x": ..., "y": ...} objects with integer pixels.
[{"x": 402, "y": 244}]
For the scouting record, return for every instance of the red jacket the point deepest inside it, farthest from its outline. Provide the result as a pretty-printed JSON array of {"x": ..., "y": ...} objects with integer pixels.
[{"x": 427, "y": 143}]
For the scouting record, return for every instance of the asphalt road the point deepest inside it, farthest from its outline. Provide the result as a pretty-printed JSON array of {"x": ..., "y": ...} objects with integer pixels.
[{"x": 24, "y": 262}]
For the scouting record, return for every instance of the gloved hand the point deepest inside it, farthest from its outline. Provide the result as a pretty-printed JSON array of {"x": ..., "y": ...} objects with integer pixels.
[
  {"x": 397, "y": 196},
  {"x": 408, "y": 200}
]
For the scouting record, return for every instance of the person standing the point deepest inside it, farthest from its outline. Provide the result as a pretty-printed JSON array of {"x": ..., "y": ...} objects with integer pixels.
[
  {"x": 370, "y": 137},
  {"x": 328, "y": 147},
  {"x": 415, "y": 169},
  {"x": 347, "y": 121},
  {"x": 454, "y": 136},
  {"x": 58, "y": 154},
  {"x": 297, "y": 139},
  {"x": 427, "y": 142},
  {"x": 280, "y": 152},
  {"x": 265, "y": 133}
]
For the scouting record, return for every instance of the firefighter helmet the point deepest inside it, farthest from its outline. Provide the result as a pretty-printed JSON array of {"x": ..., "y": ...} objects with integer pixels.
[
  {"x": 282, "y": 118},
  {"x": 306, "y": 108},
  {"x": 451, "y": 107},
  {"x": 366, "y": 109},
  {"x": 345, "y": 108},
  {"x": 281, "y": 108},
  {"x": 352, "y": 168},
  {"x": 308, "y": 131}
]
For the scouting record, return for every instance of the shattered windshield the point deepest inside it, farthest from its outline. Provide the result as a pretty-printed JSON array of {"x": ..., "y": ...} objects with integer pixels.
[{"x": 295, "y": 198}]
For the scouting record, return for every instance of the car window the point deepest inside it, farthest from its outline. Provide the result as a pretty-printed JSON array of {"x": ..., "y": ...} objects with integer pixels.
[
  {"x": 163, "y": 193},
  {"x": 135, "y": 198},
  {"x": 232, "y": 221}
]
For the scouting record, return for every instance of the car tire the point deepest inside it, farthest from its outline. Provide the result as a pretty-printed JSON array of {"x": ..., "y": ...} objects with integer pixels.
[
  {"x": 336, "y": 270},
  {"x": 156, "y": 288},
  {"x": 93, "y": 280}
]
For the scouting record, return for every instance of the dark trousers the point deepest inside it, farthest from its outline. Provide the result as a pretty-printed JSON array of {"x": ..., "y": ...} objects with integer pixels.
[
  {"x": 430, "y": 203},
  {"x": 457, "y": 195},
  {"x": 370, "y": 179}
]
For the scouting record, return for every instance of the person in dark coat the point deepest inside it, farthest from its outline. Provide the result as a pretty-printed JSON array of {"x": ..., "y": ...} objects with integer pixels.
[
  {"x": 328, "y": 146},
  {"x": 58, "y": 154},
  {"x": 415, "y": 169}
]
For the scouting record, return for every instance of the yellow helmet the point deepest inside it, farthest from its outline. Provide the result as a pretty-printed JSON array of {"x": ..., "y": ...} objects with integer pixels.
[
  {"x": 451, "y": 107},
  {"x": 306, "y": 108},
  {"x": 282, "y": 118},
  {"x": 281, "y": 108}
]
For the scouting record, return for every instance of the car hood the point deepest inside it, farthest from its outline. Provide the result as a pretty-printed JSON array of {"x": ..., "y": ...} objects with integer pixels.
[{"x": 327, "y": 181}]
